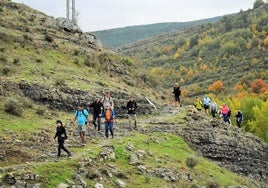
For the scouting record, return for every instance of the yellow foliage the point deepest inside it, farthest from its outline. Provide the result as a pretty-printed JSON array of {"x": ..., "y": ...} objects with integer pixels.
[
  {"x": 254, "y": 28},
  {"x": 265, "y": 41},
  {"x": 199, "y": 59},
  {"x": 176, "y": 56},
  {"x": 248, "y": 46},
  {"x": 190, "y": 73},
  {"x": 204, "y": 67}
]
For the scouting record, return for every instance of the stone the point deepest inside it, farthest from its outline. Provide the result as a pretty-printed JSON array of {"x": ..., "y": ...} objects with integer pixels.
[
  {"x": 63, "y": 185},
  {"x": 98, "y": 185},
  {"x": 120, "y": 183}
]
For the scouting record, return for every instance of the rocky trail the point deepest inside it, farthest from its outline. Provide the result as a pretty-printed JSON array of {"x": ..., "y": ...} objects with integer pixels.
[{"x": 229, "y": 146}]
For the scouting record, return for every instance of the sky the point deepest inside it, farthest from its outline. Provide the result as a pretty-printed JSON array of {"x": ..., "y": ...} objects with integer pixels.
[{"x": 94, "y": 15}]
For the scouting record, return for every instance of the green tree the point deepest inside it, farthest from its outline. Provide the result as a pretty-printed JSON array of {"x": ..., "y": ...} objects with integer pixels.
[
  {"x": 258, "y": 3},
  {"x": 259, "y": 125}
]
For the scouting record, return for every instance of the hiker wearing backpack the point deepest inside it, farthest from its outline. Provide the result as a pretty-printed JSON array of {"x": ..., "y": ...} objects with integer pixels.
[
  {"x": 239, "y": 118},
  {"x": 213, "y": 109},
  {"x": 131, "y": 111},
  {"x": 198, "y": 104},
  {"x": 107, "y": 101},
  {"x": 97, "y": 109},
  {"x": 109, "y": 116},
  {"x": 206, "y": 104},
  {"x": 177, "y": 93},
  {"x": 81, "y": 116},
  {"x": 62, "y": 136},
  {"x": 225, "y": 112}
]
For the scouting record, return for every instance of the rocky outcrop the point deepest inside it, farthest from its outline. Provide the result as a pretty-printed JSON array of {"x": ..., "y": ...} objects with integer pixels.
[
  {"x": 229, "y": 146},
  {"x": 65, "y": 98}
]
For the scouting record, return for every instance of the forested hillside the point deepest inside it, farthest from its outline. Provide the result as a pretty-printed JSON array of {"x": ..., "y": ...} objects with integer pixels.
[
  {"x": 121, "y": 36},
  {"x": 225, "y": 59}
]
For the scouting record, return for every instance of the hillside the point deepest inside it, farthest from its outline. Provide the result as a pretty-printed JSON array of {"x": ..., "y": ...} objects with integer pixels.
[
  {"x": 232, "y": 51},
  {"x": 114, "y": 38}
]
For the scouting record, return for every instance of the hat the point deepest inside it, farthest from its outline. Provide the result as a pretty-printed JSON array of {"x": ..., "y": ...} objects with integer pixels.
[{"x": 59, "y": 121}]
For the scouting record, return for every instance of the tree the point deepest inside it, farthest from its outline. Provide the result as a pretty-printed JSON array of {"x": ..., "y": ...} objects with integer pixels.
[
  {"x": 258, "y": 86},
  {"x": 259, "y": 125},
  {"x": 216, "y": 86},
  {"x": 258, "y": 3}
]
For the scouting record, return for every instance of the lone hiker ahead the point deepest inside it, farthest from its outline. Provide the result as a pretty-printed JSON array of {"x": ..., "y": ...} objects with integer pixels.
[
  {"x": 81, "y": 115},
  {"x": 177, "y": 93},
  {"x": 131, "y": 111}
]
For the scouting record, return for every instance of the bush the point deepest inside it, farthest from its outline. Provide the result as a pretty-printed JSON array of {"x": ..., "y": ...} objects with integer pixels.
[
  {"x": 13, "y": 107},
  {"x": 60, "y": 81},
  {"x": 212, "y": 185},
  {"x": 6, "y": 70},
  {"x": 49, "y": 38},
  {"x": 40, "y": 111},
  {"x": 192, "y": 161},
  {"x": 16, "y": 61}
]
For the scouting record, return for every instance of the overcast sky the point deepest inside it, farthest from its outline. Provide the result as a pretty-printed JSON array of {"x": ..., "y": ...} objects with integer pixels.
[{"x": 106, "y": 14}]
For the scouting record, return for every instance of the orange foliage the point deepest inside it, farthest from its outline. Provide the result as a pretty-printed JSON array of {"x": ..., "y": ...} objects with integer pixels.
[
  {"x": 216, "y": 86},
  {"x": 204, "y": 67},
  {"x": 184, "y": 92},
  {"x": 238, "y": 87},
  {"x": 190, "y": 73},
  {"x": 258, "y": 86}
]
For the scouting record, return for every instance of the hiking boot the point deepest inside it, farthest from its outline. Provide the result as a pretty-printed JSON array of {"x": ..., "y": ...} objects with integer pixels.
[
  {"x": 69, "y": 155},
  {"x": 57, "y": 159}
]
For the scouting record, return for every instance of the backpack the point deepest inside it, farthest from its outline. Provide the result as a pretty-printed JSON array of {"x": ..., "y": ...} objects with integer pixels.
[{"x": 83, "y": 112}]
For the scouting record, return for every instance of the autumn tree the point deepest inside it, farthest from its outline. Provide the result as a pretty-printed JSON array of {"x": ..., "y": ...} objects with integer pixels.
[
  {"x": 258, "y": 86},
  {"x": 216, "y": 86}
]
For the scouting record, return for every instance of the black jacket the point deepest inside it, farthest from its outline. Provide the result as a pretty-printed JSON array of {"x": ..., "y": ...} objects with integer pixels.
[
  {"x": 177, "y": 91},
  {"x": 132, "y": 107},
  {"x": 61, "y": 133},
  {"x": 97, "y": 107}
]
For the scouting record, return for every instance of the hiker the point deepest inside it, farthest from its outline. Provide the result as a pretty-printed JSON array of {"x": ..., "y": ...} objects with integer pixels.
[
  {"x": 225, "y": 112},
  {"x": 131, "y": 111},
  {"x": 81, "y": 116},
  {"x": 177, "y": 93},
  {"x": 62, "y": 136},
  {"x": 239, "y": 118},
  {"x": 107, "y": 100},
  {"x": 198, "y": 104},
  {"x": 97, "y": 109},
  {"x": 213, "y": 109},
  {"x": 109, "y": 116},
  {"x": 229, "y": 116},
  {"x": 206, "y": 104}
]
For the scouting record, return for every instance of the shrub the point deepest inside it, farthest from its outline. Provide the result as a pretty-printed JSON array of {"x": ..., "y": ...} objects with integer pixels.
[
  {"x": 6, "y": 70},
  {"x": 38, "y": 60},
  {"x": 60, "y": 81},
  {"x": 76, "y": 61},
  {"x": 212, "y": 185},
  {"x": 40, "y": 111},
  {"x": 89, "y": 63},
  {"x": 13, "y": 107},
  {"x": 16, "y": 61},
  {"x": 49, "y": 38},
  {"x": 3, "y": 58},
  {"x": 192, "y": 161}
]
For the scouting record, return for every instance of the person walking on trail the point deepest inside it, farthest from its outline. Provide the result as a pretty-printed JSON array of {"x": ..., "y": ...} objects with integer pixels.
[
  {"x": 131, "y": 111},
  {"x": 108, "y": 101},
  {"x": 177, "y": 94},
  {"x": 109, "y": 115},
  {"x": 198, "y": 104},
  {"x": 225, "y": 112},
  {"x": 206, "y": 104},
  {"x": 81, "y": 116},
  {"x": 239, "y": 118},
  {"x": 97, "y": 109},
  {"x": 62, "y": 136},
  {"x": 213, "y": 109}
]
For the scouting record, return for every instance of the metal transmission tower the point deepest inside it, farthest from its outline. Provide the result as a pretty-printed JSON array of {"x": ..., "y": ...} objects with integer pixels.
[{"x": 68, "y": 11}]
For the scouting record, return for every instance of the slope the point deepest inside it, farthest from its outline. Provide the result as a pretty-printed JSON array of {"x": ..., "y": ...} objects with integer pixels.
[
  {"x": 114, "y": 38},
  {"x": 232, "y": 51}
]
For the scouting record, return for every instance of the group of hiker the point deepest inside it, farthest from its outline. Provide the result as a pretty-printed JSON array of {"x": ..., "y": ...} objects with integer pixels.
[
  {"x": 101, "y": 109},
  {"x": 224, "y": 111}
]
